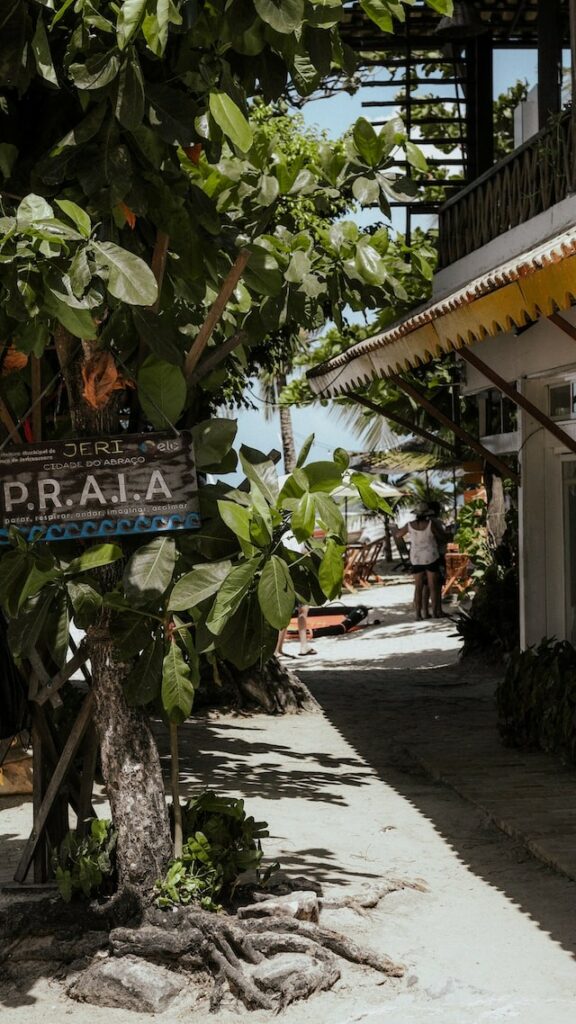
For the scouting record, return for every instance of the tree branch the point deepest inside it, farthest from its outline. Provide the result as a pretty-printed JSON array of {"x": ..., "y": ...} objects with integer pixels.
[
  {"x": 218, "y": 355},
  {"x": 215, "y": 313}
]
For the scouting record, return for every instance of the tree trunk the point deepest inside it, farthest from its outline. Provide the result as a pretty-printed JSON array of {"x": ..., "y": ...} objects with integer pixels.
[
  {"x": 496, "y": 507},
  {"x": 286, "y": 431},
  {"x": 130, "y": 759},
  {"x": 131, "y": 770}
]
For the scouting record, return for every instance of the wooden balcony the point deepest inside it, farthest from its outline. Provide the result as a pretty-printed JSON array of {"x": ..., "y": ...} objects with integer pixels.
[{"x": 527, "y": 182}]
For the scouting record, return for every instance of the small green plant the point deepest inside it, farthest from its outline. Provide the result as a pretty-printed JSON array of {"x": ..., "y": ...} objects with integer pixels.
[
  {"x": 222, "y": 842},
  {"x": 491, "y": 626},
  {"x": 537, "y": 699},
  {"x": 86, "y": 865},
  {"x": 471, "y": 536}
]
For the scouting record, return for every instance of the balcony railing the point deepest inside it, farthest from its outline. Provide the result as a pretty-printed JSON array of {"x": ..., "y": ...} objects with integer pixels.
[{"x": 529, "y": 181}]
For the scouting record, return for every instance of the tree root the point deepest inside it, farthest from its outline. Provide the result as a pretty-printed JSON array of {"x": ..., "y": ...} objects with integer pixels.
[
  {"x": 264, "y": 962},
  {"x": 370, "y": 899}
]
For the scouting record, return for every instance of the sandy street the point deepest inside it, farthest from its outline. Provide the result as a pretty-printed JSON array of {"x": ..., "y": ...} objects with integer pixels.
[{"x": 349, "y": 803}]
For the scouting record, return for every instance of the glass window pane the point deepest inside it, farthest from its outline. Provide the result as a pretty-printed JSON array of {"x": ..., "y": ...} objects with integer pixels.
[{"x": 561, "y": 401}]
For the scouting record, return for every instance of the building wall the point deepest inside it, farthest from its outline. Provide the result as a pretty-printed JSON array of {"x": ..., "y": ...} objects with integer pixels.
[{"x": 539, "y": 356}]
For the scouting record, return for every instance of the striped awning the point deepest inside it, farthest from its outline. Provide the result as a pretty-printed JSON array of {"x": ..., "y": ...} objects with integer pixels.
[{"x": 535, "y": 284}]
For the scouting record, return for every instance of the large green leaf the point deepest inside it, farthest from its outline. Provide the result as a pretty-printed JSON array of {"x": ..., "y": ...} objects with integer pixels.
[
  {"x": 56, "y": 632},
  {"x": 276, "y": 593},
  {"x": 42, "y": 55},
  {"x": 156, "y": 25},
  {"x": 202, "y": 582},
  {"x": 261, "y": 472},
  {"x": 379, "y": 11},
  {"x": 99, "y": 70},
  {"x": 305, "y": 451},
  {"x": 128, "y": 277},
  {"x": 231, "y": 120},
  {"x": 130, "y": 17},
  {"x": 78, "y": 321},
  {"x": 262, "y": 274},
  {"x": 369, "y": 264},
  {"x": 236, "y": 517},
  {"x": 161, "y": 392},
  {"x": 366, "y": 190},
  {"x": 86, "y": 603},
  {"x": 77, "y": 215},
  {"x": 331, "y": 570},
  {"x": 416, "y": 157},
  {"x": 177, "y": 685},
  {"x": 149, "y": 571},
  {"x": 282, "y": 15},
  {"x": 330, "y": 515},
  {"x": 231, "y": 593},
  {"x": 304, "y": 517},
  {"x": 322, "y": 476},
  {"x": 144, "y": 682},
  {"x": 213, "y": 440},
  {"x": 366, "y": 142},
  {"x": 130, "y": 100},
  {"x": 248, "y": 638},
  {"x": 94, "y": 557}
]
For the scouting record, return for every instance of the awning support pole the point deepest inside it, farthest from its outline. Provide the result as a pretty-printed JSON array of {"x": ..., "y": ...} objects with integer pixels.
[
  {"x": 395, "y": 418},
  {"x": 519, "y": 399},
  {"x": 503, "y": 468}
]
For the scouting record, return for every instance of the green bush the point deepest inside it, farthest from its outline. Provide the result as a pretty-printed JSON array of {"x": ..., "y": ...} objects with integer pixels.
[
  {"x": 491, "y": 626},
  {"x": 537, "y": 699},
  {"x": 86, "y": 866},
  {"x": 221, "y": 843}
]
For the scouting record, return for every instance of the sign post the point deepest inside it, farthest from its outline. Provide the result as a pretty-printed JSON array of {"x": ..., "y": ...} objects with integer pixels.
[{"x": 99, "y": 487}]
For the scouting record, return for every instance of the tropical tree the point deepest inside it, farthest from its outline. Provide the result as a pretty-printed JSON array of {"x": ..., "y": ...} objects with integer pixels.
[{"x": 139, "y": 267}]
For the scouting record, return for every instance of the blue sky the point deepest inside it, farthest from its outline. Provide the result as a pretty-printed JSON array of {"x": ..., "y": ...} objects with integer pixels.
[{"x": 334, "y": 115}]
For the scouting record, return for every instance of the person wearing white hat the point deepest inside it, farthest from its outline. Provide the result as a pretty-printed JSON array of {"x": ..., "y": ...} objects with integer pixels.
[{"x": 425, "y": 538}]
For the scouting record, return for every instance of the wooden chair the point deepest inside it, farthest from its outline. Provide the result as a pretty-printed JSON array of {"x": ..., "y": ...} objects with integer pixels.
[
  {"x": 457, "y": 571},
  {"x": 360, "y": 564}
]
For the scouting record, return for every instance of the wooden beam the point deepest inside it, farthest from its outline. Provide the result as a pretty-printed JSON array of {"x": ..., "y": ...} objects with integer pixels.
[
  {"x": 36, "y": 382},
  {"x": 511, "y": 392},
  {"x": 217, "y": 355},
  {"x": 402, "y": 422},
  {"x": 51, "y": 686},
  {"x": 9, "y": 423},
  {"x": 216, "y": 311},
  {"x": 54, "y": 786},
  {"x": 563, "y": 324},
  {"x": 549, "y": 60},
  {"x": 503, "y": 468}
]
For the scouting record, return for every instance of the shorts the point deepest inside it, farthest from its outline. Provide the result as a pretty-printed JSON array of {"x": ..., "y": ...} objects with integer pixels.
[{"x": 431, "y": 567}]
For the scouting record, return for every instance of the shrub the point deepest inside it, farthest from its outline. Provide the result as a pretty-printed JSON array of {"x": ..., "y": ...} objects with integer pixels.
[
  {"x": 221, "y": 843},
  {"x": 537, "y": 699},
  {"x": 86, "y": 865},
  {"x": 491, "y": 626}
]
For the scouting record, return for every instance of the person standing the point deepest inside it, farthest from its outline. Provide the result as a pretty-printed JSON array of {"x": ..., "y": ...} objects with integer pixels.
[{"x": 425, "y": 537}]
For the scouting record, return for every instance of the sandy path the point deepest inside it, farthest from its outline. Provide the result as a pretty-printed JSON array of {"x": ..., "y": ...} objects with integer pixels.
[{"x": 344, "y": 811}]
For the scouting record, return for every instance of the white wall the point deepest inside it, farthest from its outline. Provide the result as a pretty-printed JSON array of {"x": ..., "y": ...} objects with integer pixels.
[{"x": 539, "y": 356}]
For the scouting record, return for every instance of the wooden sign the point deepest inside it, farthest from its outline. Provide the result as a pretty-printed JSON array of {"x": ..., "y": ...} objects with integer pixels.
[{"x": 99, "y": 487}]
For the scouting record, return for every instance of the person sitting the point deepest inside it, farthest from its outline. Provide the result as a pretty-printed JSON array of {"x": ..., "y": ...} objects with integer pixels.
[{"x": 425, "y": 537}]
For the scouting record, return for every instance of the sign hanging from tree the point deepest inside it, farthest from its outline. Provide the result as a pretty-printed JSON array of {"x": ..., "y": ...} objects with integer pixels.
[{"x": 129, "y": 484}]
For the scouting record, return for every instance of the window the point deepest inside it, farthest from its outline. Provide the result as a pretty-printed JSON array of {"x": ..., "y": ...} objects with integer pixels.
[
  {"x": 569, "y": 487},
  {"x": 500, "y": 413},
  {"x": 562, "y": 401}
]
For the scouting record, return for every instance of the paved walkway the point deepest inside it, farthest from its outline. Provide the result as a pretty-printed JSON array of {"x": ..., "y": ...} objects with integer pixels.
[
  {"x": 351, "y": 796},
  {"x": 440, "y": 713}
]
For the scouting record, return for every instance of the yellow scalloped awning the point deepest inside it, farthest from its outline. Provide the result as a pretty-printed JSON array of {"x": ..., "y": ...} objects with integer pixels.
[{"x": 535, "y": 284}]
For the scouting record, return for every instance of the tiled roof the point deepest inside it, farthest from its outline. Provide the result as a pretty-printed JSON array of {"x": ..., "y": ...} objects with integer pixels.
[{"x": 518, "y": 292}]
